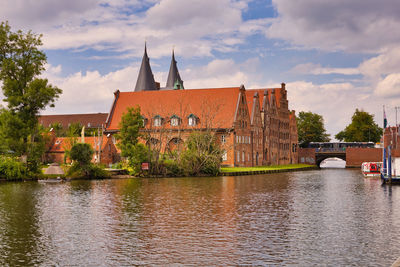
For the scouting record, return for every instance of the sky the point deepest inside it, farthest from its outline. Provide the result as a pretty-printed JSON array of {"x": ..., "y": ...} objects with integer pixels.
[{"x": 334, "y": 56}]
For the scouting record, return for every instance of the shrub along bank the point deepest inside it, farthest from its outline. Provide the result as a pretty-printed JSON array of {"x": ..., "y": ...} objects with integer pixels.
[{"x": 12, "y": 168}]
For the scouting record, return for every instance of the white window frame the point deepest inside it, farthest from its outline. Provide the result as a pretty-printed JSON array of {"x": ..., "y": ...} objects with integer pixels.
[
  {"x": 192, "y": 121},
  {"x": 157, "y": 122},
  {"x": 174, "y": 121},
  {"x": 224, "y": 156}
]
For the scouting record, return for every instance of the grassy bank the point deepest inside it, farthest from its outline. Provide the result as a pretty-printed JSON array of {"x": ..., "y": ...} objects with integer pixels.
[{"x": 266, "y": 168}]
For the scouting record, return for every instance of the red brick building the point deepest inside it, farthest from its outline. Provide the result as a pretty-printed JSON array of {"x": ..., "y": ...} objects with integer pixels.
[
  {"x": 55, "y": 148},
  {"x": 254, "y": 127},
  {"x": 89, "y": 120},
  {"x": 391, "y": 136},
  {"x": 105, "y": 151}
]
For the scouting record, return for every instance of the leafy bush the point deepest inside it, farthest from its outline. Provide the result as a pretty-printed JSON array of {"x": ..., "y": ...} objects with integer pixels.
[
  {"x": 173, "y": 168},
  {"x": 11, "y": 168},
  {"x": 81, "y": 153},
  {"x": 87, "y": 171},
  {"x": 139, "y": 154},
  {"x": 203, "y": 155}
]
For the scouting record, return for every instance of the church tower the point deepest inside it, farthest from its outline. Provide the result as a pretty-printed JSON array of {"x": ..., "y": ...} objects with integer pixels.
[
  {"x": 174, "y": 80},
  {"x": 145, "y": 80}
]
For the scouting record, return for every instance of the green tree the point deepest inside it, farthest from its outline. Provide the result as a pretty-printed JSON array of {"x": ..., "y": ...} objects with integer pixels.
[
  {"x": 58, "y": 129},
  {"x": 129, "y": 133},
  {"x": 310, "y": 128},
  {"x": 21, "y": 63},
  {"x": 203, "y": 155},
  {"x": 82, "y": 153},
  {"x": 128, "y": 139},
  {"x": 74, "y": 129},
  {"x": 361, "y": 129}
]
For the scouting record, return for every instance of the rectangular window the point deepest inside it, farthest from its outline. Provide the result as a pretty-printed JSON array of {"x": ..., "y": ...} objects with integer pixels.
[
  {"x": 225, "y": 156},
  {"x": 174, "y": 122},
  {"x": 157, "y": 122},
  {"x": 237, "y": 156},
  {"x": 223, "y": 140},
  {"x": 192, "y": 121},
  {"x": 243, "y": 156}
]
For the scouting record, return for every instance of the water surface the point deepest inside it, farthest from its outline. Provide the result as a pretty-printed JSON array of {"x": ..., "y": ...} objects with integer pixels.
[{"x": 329, "y": 217}]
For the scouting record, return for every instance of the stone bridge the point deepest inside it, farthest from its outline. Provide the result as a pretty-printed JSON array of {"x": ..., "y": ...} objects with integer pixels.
[
  {"x": 322, "y": 155},
  {"x": 352, "y": 155}
]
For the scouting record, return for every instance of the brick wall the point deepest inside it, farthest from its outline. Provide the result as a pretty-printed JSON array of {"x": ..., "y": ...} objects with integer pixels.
[
  {"x": 306, "y": 155},
  {"x": 356, "y": 156}
]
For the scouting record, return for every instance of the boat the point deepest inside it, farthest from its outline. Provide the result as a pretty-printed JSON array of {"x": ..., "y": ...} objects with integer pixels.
[
  {"x": 371, "y": 169},
  {"x": 389, "y": 173},
  {"x": 51, "y": 180}
]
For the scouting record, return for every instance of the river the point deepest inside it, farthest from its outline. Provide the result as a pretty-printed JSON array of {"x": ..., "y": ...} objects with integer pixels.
[{"x": 328, "y": 217}]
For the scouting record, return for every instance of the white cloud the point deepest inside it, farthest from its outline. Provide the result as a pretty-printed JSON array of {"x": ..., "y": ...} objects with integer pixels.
[
  {"x": 336, "y": 102},
  {"x": 195, "y": 27},
  {"x": 93, "y": 92},
  {"x": 317, "y": 69},
  {"x": 42, "y": 13},
  {"x": 385, "y": 63},
  {"x": 390, "y": 86},
  {"x": 90, "y": 91},
  {"x": 353, "y": 26}
]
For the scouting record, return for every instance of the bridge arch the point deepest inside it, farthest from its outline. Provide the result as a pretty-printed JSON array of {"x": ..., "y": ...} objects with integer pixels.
[{"x": 319, "y": 158}]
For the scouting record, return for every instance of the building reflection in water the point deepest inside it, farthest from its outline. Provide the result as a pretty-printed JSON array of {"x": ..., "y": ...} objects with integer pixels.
[{"x": 309, "y": 218}]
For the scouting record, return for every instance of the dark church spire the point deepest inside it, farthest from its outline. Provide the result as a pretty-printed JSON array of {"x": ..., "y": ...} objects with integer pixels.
[
  {"x": 174, "y": 80},
  {"x": 145, "y": 80}
]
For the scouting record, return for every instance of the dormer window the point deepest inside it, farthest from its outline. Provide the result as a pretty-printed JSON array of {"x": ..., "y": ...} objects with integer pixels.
[
  {"x": 192, "y": 119},
  {"x": 144, "y": 121},
  {"x": 157, "y": 121},
  {"x": 175, "y": 120}
]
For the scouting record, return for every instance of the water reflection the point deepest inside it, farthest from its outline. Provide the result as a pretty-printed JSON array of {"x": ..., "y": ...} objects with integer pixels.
[
  {"x": 18, "y": 225},
  {"x": 329, "y": 217}
]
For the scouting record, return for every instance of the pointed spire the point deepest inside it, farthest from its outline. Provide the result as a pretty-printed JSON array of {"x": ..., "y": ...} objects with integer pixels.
[
  {"x": 174, "y": 79},
  {"x": 145, "y": 80}
]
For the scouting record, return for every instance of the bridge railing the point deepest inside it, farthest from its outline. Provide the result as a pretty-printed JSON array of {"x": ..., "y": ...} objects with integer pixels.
[{"x": 330, "y": 149}]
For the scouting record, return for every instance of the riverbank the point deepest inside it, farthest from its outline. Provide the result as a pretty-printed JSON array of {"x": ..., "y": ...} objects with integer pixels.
[
  {"x": 236, "y": 171},
  {"x": 225, "y": 171}
]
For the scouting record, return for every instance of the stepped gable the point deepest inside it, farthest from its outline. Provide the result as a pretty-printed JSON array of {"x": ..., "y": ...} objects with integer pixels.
[
  {"x": 216, "y": 104},
  {"x": 174, "y": 80},
  {"x": 145, "y": 80},
  {"x": 90, "y": 120}
]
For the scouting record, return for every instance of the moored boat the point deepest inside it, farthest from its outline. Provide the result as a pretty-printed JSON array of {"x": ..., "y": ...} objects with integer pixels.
[{"x": 371, "y": 169}]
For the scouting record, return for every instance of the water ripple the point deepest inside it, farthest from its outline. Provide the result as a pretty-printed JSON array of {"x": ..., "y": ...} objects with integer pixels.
[{"x": 328, "y": 217}]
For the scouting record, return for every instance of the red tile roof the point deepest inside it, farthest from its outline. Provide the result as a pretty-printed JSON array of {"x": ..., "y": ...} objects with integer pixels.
[
  {"x": 217, "y": 105},
  {"x": 93, "y": 119},
  {"x": 60, "y": 144}
]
